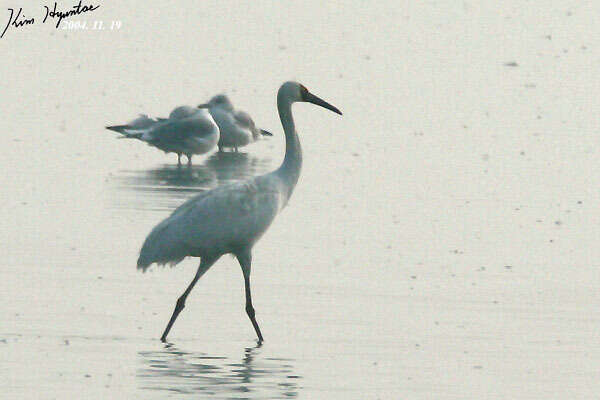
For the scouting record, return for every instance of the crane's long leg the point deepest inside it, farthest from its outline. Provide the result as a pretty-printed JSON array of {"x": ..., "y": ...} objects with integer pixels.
[
  {"x": 205, "y": 264},
  {"x": 245, "y": 260}
]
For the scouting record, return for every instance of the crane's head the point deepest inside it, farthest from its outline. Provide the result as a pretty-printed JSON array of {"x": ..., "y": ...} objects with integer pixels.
[
  {"x": 295, "y": 92},
  {"x": 219, "y": 100}
]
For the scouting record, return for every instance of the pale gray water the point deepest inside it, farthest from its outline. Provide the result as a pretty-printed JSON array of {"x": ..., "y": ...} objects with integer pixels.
[{"x": 441, "y": 242}]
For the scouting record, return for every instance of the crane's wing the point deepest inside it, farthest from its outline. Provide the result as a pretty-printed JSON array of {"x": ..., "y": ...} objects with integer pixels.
[{"x": 216, "y": 222}]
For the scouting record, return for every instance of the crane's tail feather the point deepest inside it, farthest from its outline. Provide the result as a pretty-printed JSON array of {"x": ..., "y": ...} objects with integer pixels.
[
  {"x": 160, "y": 248},
  {"x": 265, "y": 133},
  {"x": 143, "y": 264}
]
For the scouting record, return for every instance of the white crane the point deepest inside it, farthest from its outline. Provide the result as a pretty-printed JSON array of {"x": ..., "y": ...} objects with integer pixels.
[
  {"x": 231, "y": 218},
  {"x": 188, "y": 131},
  {"x": 237, "y": 127}
]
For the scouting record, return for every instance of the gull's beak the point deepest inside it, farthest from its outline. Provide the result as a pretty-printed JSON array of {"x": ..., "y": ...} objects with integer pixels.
[
  {"x": 311, "y": 98},
  {"x": 205, "y": 105}
]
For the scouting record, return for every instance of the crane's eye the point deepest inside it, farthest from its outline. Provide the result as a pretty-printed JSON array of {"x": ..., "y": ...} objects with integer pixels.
[{"x": 303, "y": 90}]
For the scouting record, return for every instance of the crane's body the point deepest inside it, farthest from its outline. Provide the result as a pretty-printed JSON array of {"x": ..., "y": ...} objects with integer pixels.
[
  {"x": 232, "y": 218},
  {"x": 236, "y": 127},
  {"x": 188, "y": 131},
  {"x": 218, "y": 222}
]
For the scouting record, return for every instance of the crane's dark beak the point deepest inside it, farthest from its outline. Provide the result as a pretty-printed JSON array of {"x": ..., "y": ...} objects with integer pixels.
[
  {"x": 205, "y": 105},
  {"x": 311, "y": 98}
]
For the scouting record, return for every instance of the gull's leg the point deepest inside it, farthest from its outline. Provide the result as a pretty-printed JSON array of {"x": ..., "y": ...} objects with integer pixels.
[
  {"x": 178, "y": 158},
  {"x": 245, "y": 260},
  {"x": 205, "y": 264},
  {"x": 189, "y": 157}
]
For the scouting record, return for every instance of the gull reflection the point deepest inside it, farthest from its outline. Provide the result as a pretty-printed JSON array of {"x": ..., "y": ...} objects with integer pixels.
[
  {"x": 236, "y": 166},
  {"x": 167, "y": 186},
  {"x": 187, "y": 373}
]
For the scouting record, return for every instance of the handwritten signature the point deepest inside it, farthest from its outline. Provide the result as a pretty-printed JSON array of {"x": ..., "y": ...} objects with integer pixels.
[{"x": 20, "y": 19}]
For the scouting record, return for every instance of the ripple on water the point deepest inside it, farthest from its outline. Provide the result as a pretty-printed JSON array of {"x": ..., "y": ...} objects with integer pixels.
[
  {"x": 189, "y": 373},
  {"x": 168, "y": 185}
]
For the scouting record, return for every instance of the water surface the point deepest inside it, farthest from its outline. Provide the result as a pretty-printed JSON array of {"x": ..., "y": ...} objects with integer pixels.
[{"x": 441, "y": 242}]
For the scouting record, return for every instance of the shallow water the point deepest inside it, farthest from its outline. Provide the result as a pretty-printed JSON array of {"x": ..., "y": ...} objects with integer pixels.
[
  {"x": 167, "y": 186},
  {"x": 441, "y": 242}
]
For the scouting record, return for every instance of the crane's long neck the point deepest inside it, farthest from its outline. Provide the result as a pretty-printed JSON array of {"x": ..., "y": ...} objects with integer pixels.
[{"x": 289, "y": 171}]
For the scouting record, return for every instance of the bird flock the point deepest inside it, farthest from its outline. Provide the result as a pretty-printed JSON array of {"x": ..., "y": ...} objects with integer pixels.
[
  {"x": 229, "y": 219},
  {"x": 195, "y": 130}
]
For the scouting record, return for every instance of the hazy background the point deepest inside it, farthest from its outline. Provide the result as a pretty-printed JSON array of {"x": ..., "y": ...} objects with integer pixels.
[{"x": 442, "y": 241}]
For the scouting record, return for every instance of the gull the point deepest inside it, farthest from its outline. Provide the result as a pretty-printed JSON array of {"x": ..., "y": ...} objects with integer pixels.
[
  {"x": 237, "y": 127},
  {"x": 188, "y": 131}
]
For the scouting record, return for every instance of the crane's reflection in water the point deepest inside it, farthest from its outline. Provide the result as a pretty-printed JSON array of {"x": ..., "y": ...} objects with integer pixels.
[
  {"x": 186, "y": 373},
  {"x": 166, "y": 187}
]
